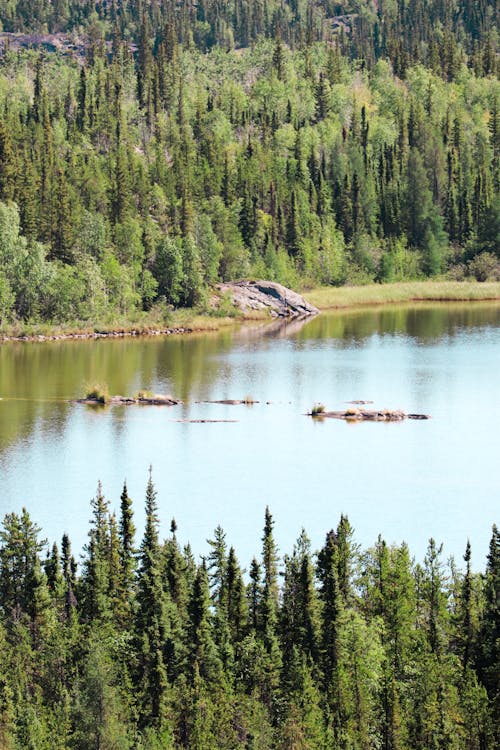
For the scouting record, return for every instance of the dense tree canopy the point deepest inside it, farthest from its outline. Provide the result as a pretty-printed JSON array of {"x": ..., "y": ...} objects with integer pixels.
[
  {"x": 150, "y": 649},
  {"x": 170, "y": 145}
]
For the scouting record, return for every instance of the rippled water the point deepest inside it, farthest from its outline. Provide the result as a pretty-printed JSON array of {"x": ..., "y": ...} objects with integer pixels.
[{"x": 407, "y": 481}]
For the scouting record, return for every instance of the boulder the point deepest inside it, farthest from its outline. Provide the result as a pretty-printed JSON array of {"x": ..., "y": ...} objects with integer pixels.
[{"x": 267, "y": 295}]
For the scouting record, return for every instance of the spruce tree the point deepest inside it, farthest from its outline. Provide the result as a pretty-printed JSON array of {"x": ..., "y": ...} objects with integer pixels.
[
  {"x": 488, "y": 657},
  {"x": 203, "y": 657},
  {"x": 127, "y": 549},
  {"x": 151, "y": 620}
]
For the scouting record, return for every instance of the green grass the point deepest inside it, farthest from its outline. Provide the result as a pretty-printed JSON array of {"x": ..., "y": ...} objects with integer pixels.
[
  {"x": 323, "y": 297},
  {"x": 97, "y": 392},
  {"x": 318, "y": 410},
  {"x": 379, "y": 294},
  {"x": 182, "y": 320},
  {"x": 142, "y": 394}
]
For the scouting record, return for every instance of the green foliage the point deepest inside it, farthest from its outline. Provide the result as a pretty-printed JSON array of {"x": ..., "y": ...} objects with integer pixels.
[
  {"x": 323, "y": 150},
  {"x": 485, "y": 267},
  {"x": 317, "y": 410},
  {"x": 351, "y": 650},
  {"x": 97, "y": 392},
  {"x": 7, "y": 298}
]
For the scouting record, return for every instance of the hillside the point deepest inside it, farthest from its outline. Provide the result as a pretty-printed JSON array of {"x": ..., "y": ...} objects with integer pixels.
[{"x": 148, "y": 151}]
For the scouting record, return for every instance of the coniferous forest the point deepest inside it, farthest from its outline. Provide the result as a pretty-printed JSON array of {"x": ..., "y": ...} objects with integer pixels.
[
  {"x": 149, "y": 149},
  {"x": 141, "y": 646}
]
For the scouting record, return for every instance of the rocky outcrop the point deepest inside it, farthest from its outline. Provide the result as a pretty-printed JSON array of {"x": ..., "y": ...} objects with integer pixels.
[
  {"x": 153, "y": 400},
  {"x": 248, "y": 401},
  {"x": 119, "y": 333},
  {"x": 367, "y": 415},
  {"x": 267, "y": 295}
]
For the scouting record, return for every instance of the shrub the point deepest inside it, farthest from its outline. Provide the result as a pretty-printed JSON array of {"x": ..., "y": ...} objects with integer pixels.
[
  {"x": 97, "y": 392},
  {"x": 484, "y": 266},
  {"x": 317, "y": 410},
  {"x": 142, "y": 394}
]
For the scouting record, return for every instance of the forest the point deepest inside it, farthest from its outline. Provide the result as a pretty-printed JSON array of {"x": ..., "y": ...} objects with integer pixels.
[
  {"x": 141, "y": 646},
  {"x": 167, "y": 146}
]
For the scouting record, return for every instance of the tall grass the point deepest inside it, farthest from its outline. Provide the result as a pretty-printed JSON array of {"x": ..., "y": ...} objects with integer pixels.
[
  {"x": 181, "y": 320},
  {"x": 318, "y": 410},
  {"x": 97, "y": 392},
  {"x": 377, "y": 294}
]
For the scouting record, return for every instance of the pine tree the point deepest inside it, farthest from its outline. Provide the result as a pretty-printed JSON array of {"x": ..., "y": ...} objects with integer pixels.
[
  {"x": 7, "y": 704},
  {"x": 68, "y": 565},
  {"x": 467, "y": 618},
  {"x": 151, "y": 620},
  {"x": 127, "y": 542},
  {"x": 53, "y": 572},
  {"x": 254, "y": 596},
  {"x": 95, "y": 578},
  {"x": 203, "y": 658},
  {"x": 237, "y": 608},
  {"x": 293, "y": 228},
  {"x": 279, "y": 58},
  {"x": 7, "y": 164},
  {"x": 62, "y": 236},
  {"x": 299, "y": 611},
  {"x": 433, "y": 598},
  {"x": 488, "y": 657},
  {"x": 20, "y": 548},
  {"x": 218, "y": 586}
]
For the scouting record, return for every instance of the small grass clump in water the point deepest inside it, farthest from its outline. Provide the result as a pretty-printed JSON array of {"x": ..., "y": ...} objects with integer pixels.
[
  {"x": 99, "y": 393},
  {"x": 317, "y": 410},
  {"x": 249, "y": 400},
  {"x": 351, "y": 411},
  {"x": 143, "y": 395}
]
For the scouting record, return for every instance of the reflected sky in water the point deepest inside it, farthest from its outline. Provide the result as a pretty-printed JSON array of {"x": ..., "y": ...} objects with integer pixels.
[{"x": 407, "y": 481}]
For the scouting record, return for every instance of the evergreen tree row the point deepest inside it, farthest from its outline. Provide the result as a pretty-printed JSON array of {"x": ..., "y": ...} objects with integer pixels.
[
  {"x": 438, "y": 33},
  {"x": 135, "y": 179},
  {"x": 143, "y": 647}
]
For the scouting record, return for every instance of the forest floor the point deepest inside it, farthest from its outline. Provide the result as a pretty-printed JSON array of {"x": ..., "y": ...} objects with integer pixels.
[{"x": 191, "y": 321}]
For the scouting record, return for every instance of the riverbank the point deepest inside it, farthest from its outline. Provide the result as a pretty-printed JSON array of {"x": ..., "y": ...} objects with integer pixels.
[
  {"x": 190, "y": 321},
  {"x": 330, "y": 298},
  {"x": 179, "y": 322}
]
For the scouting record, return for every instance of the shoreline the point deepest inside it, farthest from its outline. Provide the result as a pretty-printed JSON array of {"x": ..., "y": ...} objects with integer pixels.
[
  {"x": 376, "y": 295},
  {"x": 67, "y": 335},
  {"x": 325, "y": 298},
  {"x": 191, "y": 323}
]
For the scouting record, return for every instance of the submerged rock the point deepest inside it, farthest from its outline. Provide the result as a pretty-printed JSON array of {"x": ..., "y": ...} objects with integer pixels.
[
  {"x": 247, "y": 401},
  {"x": 158, "y": 400},
  {"x": 369, "y": 415},
  {"x": 154, "y": 400},
  {"x": 267, "y": 295},
  {"x": 206, "y": 421}
]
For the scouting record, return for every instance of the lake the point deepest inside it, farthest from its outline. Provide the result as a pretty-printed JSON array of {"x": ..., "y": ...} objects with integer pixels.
[{"x": 406, "y": 481}]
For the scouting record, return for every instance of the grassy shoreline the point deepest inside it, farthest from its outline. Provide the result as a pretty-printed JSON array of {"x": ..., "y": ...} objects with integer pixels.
[
  {"x": 181, "y": 322},
  {"x": 190, "y": 321},
  {"x": 331, "y": 298}
]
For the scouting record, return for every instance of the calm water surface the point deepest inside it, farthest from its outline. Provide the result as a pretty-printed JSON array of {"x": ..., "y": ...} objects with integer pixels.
[{"x": 407, "y": 481}]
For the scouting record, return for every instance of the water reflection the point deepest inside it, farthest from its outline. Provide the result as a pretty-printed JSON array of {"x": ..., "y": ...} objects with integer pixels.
[
  {"x": 424, "y": 322},
  {"x": 36, "y": 379},
  {"x": 407, "y": 480}
]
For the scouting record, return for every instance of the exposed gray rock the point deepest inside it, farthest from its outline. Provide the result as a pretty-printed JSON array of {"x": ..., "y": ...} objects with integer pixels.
[
  {"x": 373, "y": 415},
  {"x": 262, "y": 295},
  {"x": 247, "y": 401},
  {"x": 154, "y": 400}
]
